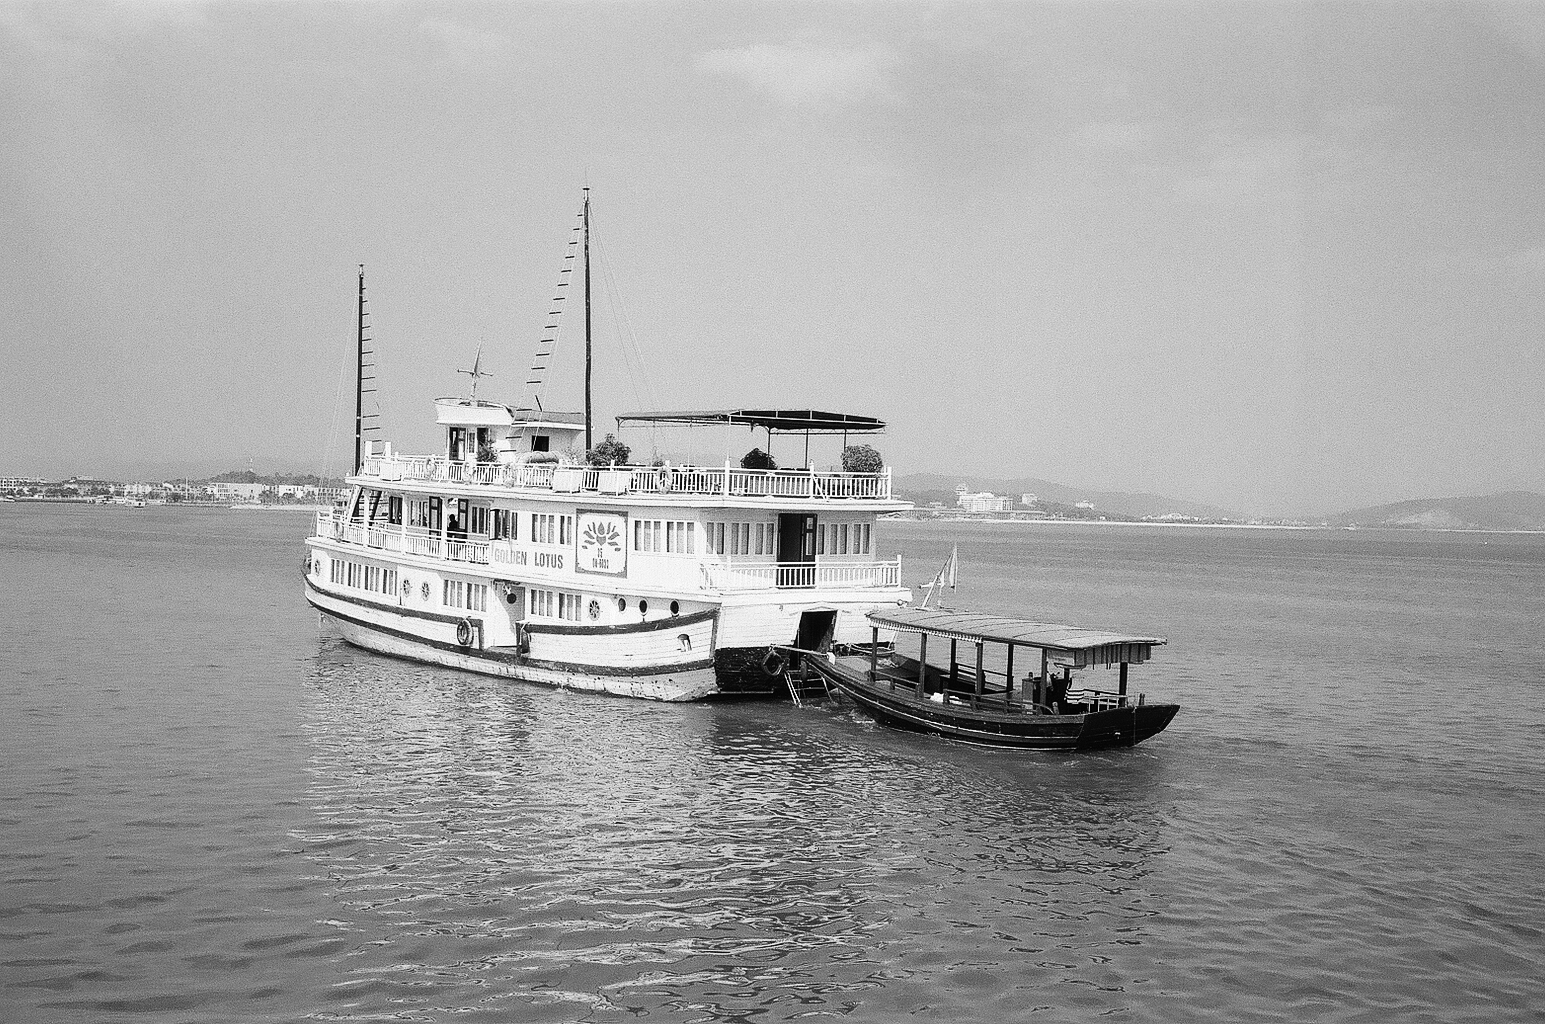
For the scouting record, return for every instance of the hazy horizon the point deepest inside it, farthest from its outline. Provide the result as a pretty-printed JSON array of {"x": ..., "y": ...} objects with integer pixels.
[{"x": 1279, "y": 258}]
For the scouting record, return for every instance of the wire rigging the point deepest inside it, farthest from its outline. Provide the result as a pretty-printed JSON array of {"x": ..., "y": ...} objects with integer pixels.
[
  {"x": 547, "y": 344},
  {"x": 632, "y": 355}
]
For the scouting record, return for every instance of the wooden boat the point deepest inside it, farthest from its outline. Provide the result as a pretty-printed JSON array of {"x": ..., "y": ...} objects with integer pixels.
[{"x": 979, "y": 702}]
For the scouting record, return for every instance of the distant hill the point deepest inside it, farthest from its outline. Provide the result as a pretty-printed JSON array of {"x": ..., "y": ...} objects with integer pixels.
[
  {"x": 923, "y": 488},
  {"x": 1511, "y": 510}
]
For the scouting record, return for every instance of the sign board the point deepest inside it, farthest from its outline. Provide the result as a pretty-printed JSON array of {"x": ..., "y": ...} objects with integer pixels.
[{"x": 601, "y": 543}]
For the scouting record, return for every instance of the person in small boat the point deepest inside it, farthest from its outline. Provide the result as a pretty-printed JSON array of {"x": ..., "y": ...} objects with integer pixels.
[{"x": 1057, "y": 690}]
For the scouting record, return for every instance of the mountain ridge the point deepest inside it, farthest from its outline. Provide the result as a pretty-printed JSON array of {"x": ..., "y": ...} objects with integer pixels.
[{"x": 1500, "y": 511}]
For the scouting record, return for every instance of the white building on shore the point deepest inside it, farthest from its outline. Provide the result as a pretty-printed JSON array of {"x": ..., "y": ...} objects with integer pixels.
[{"x": 980, "y": 501}]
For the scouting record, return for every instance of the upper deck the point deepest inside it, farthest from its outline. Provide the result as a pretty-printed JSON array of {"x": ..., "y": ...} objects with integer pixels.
[{"x": 726, "y": 485}]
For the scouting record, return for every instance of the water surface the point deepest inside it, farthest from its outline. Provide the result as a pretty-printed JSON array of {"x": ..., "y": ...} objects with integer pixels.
[{"x": 213, "y": 810}]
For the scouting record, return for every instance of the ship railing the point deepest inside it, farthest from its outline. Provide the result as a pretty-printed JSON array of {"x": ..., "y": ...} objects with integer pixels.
[
  {"x": 742, "y": 576},
  {"x": 726, "y": 480},
  {"x": 413, "y": 540},
  {"x": 330, "y": 524},
  {"x": 417, "y": 540},
  {"x": 475, "y": 551}
]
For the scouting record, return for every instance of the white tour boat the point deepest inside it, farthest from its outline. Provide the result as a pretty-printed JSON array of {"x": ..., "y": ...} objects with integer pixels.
[{"x": 498, "y": 555}]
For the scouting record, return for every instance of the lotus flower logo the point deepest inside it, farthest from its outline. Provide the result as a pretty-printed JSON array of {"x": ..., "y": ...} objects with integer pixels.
[{"x": 602, "y": 536}]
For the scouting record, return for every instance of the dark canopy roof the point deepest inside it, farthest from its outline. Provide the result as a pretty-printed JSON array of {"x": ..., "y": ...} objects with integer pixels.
[
  {"x": 1087, "y": 646},
  {"x": 779, "y": 421}
]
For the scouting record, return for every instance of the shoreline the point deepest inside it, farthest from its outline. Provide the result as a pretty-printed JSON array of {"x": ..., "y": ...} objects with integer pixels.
[{"x": 1209, "y": 526}]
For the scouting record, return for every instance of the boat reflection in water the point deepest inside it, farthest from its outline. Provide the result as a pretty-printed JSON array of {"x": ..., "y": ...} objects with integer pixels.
[{"x": 707, "y": 858}]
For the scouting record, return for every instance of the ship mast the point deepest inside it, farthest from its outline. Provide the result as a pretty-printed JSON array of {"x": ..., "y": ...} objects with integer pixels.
[
  {"x": 360, "y": 390},
  {"x": 587, "y": 318},
  {"x": 359, "y": 379}
]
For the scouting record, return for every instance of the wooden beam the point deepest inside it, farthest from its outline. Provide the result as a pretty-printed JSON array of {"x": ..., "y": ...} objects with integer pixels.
[
  {"x": 980, "y": 675},
  {"x": 874, "y": 655},
  {"x": 922, "y": 666}
]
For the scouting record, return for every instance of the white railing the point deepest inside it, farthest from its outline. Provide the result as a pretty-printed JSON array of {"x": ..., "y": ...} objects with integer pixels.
[
  {"x": 736, "y": 576},
  {"x": 726, "y": 481},
  {"x": 413, "y": 540}
]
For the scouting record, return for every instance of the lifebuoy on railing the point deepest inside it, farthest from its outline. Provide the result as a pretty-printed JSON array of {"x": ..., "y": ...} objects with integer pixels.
[
  {"x": 662, "y": 479},
  {"x": 464, "y": 632},
  {"x": 773, "y": 663}
]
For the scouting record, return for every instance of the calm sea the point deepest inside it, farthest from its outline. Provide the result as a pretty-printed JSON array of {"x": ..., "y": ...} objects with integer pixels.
[{"x": 212, "y": 810}]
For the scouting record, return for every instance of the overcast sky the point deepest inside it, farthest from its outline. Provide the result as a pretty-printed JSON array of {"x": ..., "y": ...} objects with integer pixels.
[{"x": 1276, "y": 257}]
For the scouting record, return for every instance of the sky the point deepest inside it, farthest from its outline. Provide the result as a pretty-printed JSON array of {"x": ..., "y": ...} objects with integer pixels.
[{"x": 1282, "y": 258}]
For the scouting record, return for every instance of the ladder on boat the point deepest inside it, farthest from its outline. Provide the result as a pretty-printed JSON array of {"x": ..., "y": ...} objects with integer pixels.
[{"x": 797, "y": 690}]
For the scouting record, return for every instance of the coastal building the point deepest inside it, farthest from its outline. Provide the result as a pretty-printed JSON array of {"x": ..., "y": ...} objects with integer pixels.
[
  {"x": 1028, "y": 499},
  {"x": 979, "y": 501},
  {"x": 20, "y": 483}
]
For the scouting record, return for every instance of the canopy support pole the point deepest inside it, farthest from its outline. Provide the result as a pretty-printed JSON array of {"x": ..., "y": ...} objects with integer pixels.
[
  {"x": 1123, "y": 685},
  {"x": 922, "y": 666},
  {"x": 980, "y": 675},
  {"x": 1008, "y": 673},
  {"x": 874, "y": 655}
]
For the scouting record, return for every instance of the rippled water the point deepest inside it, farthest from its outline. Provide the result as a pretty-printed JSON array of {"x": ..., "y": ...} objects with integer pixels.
[{"x": 210, "y": 810}]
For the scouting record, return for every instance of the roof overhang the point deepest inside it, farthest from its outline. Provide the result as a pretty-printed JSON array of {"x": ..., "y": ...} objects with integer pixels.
[
  {"x": 460, "y": 412},
  {"x": 1077, "y": 646},
  {"x": 464, "y": 412},
  {"x": 778, "y": 421}
]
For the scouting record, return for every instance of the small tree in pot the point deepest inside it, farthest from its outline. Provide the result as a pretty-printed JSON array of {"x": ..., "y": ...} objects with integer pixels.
[
  {"x": 861, "y": 458},
  {"x": 757, "y": 459},
  {"x": 610, "y": 452}
]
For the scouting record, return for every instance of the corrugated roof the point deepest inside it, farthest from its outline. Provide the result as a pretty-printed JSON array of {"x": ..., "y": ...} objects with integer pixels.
[
  {"x": 779, "y": 421},
  {"x": 1001, "y": 629}
]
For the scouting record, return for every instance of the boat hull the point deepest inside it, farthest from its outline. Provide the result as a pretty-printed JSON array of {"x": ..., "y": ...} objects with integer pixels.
[
  {"x": 1114, "y": 727},
  {"x": 379, "y": 630}
]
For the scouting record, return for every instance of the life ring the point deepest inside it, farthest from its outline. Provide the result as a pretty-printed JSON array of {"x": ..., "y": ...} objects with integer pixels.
[
  {"x": 773, "y": 663},
  {"x": 464, "y": 632},
  {"x": 662, "y": 479}
]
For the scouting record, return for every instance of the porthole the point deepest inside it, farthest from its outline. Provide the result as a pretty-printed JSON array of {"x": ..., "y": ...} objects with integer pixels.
[
  {"x": 675, "y": 607},
  {"x": 510, "y": 597},
  {"x": 643, "y": 607},
  {"x": 424, "y": 590},
  {"x": 683, "y": 642},
  {"x": 622, "y": 604},
  {"x": 595, "y": 609}
]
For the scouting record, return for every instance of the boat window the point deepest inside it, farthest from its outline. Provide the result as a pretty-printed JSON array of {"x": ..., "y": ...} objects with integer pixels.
[
  {"x": 394, "y": 510},
  {"x": 539, "y": 442}
]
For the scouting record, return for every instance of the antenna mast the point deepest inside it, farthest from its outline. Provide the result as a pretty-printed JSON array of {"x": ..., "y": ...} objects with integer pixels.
[
  {"x": 359, "y": 381},
  {"x": 587, "y": 319}
]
